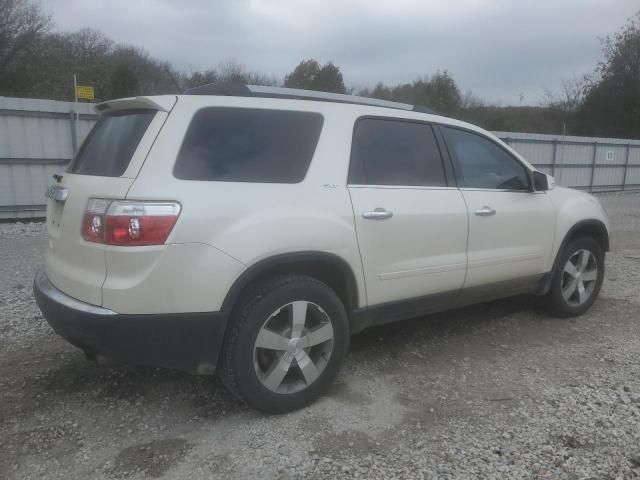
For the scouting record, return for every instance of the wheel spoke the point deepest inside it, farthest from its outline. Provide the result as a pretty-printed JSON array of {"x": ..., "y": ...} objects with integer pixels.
[
  {"x": 589, "y": 276},
  {"x": 298, "y": 318},
  {"x": 571, "y": 269},
  {"x": 307, "y": 367},
  {"x": 582, "y": 293},
  {"x": 569, "y": 289},
  {"x": 271, "y": 340},
  {"x": 583, "y": 260},
  {"x": 319, "y": 335},
  {"x": 277, "y": 372}
]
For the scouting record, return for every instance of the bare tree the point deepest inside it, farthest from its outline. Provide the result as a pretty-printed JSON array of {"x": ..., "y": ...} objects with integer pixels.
[
  {"x": 568, "y": 97},
  {"x": 470, "y": 100},
  {"x": 21, "y": 24}
]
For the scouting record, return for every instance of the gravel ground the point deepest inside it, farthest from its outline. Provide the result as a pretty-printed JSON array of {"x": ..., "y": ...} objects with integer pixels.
[{"x": 494, "y": 391}]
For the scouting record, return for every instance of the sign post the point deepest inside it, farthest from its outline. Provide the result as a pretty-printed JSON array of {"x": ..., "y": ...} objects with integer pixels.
[
  {"x": 75, "y": 92},
  {"x": 79, "y": 91}
]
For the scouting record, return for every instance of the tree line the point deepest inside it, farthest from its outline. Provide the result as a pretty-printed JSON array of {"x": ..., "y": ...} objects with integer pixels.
[{"x": 36, "y": 61}]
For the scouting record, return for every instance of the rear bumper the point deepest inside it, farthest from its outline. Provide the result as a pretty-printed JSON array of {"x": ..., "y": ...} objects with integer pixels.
[{"x": 186, "y": 341}]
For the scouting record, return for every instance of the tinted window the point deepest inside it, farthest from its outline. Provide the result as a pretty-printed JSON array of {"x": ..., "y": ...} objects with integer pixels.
[
  {"x": 248, "y": 145},
  {"x": 390, "y": 152},
  {"x": 108, "y": 148},
  {"x": 484, "y": 164}
]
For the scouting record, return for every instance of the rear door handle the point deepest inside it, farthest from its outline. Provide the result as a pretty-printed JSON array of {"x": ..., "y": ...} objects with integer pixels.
[
  {"x": 378, "y": 214},
  {"x": 485, "y": 212}
]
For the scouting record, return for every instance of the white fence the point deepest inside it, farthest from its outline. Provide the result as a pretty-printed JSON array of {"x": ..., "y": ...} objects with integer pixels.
[
  {"x": 39, "y": 137},
  {"x": 593, "y": 164}
]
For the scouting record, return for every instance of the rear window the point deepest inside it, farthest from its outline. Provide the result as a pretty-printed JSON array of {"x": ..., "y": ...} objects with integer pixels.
[
  {"x": 395, "y": 152},
  {"x": 108, "y": 148},
  {"x": 248, "y": 145}
]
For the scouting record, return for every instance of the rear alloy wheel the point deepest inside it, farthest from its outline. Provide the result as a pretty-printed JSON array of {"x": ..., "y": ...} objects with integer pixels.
[
  {"x": 285, "y": 344},
  {"x": 293, "y": 347},
  {"x": 577, "y": 279}
]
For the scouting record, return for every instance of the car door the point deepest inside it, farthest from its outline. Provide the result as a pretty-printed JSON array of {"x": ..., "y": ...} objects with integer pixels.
[
  {"x": 511, "y": 227},
  {"x": 411, "y": 222}
]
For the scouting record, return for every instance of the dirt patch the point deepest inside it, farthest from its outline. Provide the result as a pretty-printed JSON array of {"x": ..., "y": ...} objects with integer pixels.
[{"x": 153, "y": 458}]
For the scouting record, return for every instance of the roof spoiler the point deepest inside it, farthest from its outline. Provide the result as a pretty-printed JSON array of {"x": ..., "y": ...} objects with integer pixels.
[{"x": 163, "y": 103}]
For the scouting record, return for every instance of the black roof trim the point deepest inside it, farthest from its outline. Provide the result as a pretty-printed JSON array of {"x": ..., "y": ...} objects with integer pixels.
[{"x": 241, "y": 90}]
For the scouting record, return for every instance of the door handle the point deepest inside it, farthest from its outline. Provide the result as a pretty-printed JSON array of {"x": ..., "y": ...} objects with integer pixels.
[
  {"x": 485, "y": 212},
  {"x": 378, "y": 214}
]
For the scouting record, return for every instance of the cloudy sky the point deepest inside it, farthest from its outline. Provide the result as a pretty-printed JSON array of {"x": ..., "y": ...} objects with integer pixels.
[{"x": 498, "y": 49}]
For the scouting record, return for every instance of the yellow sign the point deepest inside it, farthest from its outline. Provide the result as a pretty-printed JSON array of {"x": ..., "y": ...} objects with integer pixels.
[{"x": 85, "y": 92}]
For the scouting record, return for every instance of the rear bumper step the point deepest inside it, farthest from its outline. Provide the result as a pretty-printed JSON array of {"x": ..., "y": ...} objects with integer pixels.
[{"x": 184, "y": 341}]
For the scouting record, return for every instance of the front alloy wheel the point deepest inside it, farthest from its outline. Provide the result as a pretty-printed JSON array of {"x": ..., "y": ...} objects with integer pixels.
[{"x": 579, "y": 277}]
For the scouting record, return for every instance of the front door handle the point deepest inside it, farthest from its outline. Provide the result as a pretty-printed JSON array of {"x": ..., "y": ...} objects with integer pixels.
[
  {"x": 378, "y": 214},
  {"x": 485, "y": 212}
]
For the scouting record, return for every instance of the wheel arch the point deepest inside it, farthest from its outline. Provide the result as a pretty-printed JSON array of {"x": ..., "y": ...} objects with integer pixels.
[
  {"x": 327, "y": 267},
  {"x": 588, "y": 228},
  {"x": 593, "y": 228}
]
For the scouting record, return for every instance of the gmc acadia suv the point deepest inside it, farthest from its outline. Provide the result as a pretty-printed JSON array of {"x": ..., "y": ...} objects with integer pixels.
[{"x": 251, "y": 230}]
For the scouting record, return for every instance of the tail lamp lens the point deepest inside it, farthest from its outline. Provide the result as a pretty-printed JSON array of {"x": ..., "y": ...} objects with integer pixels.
[
  {"x": 93, "y": 221},
  {"x": 129, "y": 223}
]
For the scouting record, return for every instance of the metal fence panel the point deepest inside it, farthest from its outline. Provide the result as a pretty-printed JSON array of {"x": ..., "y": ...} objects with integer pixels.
[
  {"x": 608, "y": 176},
  {"x": 574, "y": 177},
  {"x": 538, "y": 153},
  {"x": 594, "y": 164},
  {"x": 633, "y": 178},
  {"x": 38, "y": 138}
]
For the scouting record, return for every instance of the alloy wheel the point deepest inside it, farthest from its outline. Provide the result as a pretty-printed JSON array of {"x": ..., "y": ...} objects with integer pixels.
[
  {"x": 293, "y": 347},
  {"x": 579, "y": 277}
]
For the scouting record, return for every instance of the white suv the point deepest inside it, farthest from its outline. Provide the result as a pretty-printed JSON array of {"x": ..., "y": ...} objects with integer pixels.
[{"x": 252, "y": 230}]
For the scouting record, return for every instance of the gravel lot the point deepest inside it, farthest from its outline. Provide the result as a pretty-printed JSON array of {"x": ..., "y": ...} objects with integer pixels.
[{"x": 494, "y": 391}]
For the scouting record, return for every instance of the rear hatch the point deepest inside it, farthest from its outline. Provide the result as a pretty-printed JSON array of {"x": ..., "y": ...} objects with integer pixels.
[{"x": 105, "y": 166}]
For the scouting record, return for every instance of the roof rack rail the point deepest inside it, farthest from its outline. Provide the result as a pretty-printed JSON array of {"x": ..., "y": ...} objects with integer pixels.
[{"x": 241, "y": 90}]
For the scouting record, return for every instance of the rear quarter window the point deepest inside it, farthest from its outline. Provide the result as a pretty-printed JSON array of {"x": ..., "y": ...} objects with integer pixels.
[
  {"x": 108, "y": 148},
  {"x": 248, "y": 145}
]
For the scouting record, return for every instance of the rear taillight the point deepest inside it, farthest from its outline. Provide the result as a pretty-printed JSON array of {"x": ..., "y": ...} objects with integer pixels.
[
  {"x": 93, "y": 221},
  {"x": 129, "y": 223}
]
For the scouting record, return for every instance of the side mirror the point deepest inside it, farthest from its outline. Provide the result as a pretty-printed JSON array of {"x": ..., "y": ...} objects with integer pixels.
[{"x": 542, "y": 181}]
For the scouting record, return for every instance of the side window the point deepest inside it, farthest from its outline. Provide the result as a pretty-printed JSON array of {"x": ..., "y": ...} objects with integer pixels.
[
  {"x": 248, "y": 145},
  {"x": 484, "y": 164},
  {"x": 391, "y": 152}
]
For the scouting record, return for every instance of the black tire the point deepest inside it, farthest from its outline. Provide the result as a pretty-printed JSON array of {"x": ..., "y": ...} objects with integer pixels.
[
  {"x": 255, "y": 307},
  {"x": 554, "y": 300}
]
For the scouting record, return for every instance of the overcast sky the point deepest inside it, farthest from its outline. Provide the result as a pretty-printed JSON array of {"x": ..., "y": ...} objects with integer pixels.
[{"x": 498, "y": 49}]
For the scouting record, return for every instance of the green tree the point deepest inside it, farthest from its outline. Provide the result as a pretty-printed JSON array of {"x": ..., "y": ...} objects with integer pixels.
[
  {"x": 439, "y": 92},
  {"x": 611, "y": 105},
  {"x": 328, "y": 79},
  {"x": 124, "y": 83},
  {"x": 309, "y": 75},
  {"x": 442, "y": 94},
  {"x": 303, "y": 75},
  {"x": 22, "y": 24}
]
